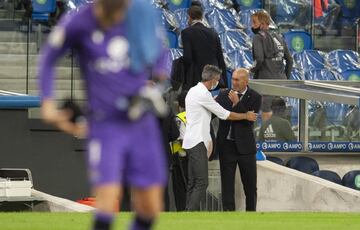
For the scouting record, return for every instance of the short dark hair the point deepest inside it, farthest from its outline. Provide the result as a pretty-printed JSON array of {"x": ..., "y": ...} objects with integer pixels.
[
  {"x": 278, "y": 105},
  {"x": 210, "y": 72},
  {"x": 195, "y": 12}
]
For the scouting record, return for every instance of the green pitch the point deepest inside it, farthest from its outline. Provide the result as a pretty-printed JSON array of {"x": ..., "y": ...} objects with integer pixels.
[{"x": 189, "y": 221}]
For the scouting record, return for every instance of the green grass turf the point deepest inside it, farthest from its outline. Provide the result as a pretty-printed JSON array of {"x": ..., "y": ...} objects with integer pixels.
[{"x": 189, "y": 221}]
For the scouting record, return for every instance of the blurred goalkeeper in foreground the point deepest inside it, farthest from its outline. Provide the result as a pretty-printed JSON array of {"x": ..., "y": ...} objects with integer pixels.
[{"x": 118, "y": 47}]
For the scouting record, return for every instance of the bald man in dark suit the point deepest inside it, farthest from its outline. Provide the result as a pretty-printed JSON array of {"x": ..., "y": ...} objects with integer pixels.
[{"x": 236, "y": 144}]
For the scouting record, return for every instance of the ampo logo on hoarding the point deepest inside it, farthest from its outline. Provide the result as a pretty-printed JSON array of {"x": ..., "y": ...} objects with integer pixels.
[
  {"x": 264, "y": 145},
  {"x": 330, "y": 146},
  {"x": 285, "y": 146},
  {"x": 351, "y": 146}
]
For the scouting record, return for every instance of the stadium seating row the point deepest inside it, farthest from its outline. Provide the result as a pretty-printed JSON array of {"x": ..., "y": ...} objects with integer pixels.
[
  {"x": 310, "y": 166},
  {"x": 285, "y": 11}
]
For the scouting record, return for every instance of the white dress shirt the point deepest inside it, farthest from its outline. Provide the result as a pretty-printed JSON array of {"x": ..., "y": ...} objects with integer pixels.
[{"x": 199, "y": 105}]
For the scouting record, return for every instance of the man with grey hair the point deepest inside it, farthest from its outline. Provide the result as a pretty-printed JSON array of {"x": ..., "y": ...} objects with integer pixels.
[{"x": 197, "y": 140}]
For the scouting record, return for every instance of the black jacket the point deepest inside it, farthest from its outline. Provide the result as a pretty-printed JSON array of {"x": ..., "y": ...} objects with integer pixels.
[
  {"x": 201, "y": 47},
  {"x": 243, "y": 130}
]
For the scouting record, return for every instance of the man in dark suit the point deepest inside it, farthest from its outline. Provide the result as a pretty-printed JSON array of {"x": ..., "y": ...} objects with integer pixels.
[
  {"x": 201, "y": 47},
  {"x": 236, "y": 141}
]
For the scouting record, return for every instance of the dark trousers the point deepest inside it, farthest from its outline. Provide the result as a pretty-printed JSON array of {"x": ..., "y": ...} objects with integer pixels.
[
  {"x": 179, "y": 180},
  {"x": 197, "y": 177},
  {"x": 229, "y": 159}
]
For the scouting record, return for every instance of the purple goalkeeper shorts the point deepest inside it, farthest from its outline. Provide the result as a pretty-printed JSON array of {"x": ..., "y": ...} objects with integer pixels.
[{"x": 127, "y": 153}]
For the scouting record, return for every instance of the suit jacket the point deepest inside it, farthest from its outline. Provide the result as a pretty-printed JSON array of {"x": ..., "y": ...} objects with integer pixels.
[
  {"x": 243, "y": 131},
  {"x": 201, "y": 47}
]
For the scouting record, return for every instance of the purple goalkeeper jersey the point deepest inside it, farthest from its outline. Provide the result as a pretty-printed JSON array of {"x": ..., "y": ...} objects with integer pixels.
[{"x": 104, "y": 62}]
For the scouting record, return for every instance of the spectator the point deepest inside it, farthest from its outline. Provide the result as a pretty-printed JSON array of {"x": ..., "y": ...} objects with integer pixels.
[
  {"x": 179, "y": 159},
  {"x": 201, "y": 47},
  {"x": 327, "y": 11},
  {"x": 197, "y": 140},
  {"x": 236, "y": 142},
  {"x": 269, "y": 52},
  {"x": 170, "y": 133},
  {"x": 277, "y": 128}
]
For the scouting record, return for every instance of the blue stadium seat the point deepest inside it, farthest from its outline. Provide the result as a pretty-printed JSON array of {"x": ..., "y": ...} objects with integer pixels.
[
  {"x": 241, "y": 58},
  {"x": 42, "y": 9},
  {"x": 234, "y": 39},
  {"x": 343, "y": 60},
  {"x": 297, "y": 74},
  {"x": 229, "y": 77},
  {"x": 335, "y": 112},
  {"x": 172, "y": 55},
  {"x": 209, "y": 5},
  {"x": 351, "y": 120},
  {"x": 172, "y": 39},
  {"x": 294, "y": 13},
  {"x": 276, "y": 160},
  {"x": 168, "y": 19},
  {"x": 182, "y": 17},
  {"x": 293, "y": 103},
  {"x": 250, "y": 4},
  {"x": 298, "y": 40},
  {"x": 351, "y": 75},
  {"x": 328, "y": 175},
  {"x": 222, "y": 20},
  {"x": 293, "y": 106},
  {"x": 321, "y": 74},
  {"x": 309, "y": 59},
  {"x": 352, "y": 179},
  {"x": 175, "y": 53},
  {"x": 349, "y": 9},
  {"x": 303, "y": 164},
  {"x": 178, "y": 4}
]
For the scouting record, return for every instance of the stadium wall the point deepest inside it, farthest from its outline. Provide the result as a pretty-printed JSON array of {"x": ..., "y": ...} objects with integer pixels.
[{"x": 57, "y": 167}]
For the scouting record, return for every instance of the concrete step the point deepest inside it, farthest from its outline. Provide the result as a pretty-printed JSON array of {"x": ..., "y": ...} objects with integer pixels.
[
  {"x": 20, "y": 84},
  {"x": 16, "y": 36},
  {"x": 20, "y": 60},
  {"x": 17, "y": 48},
  {"x": 11, "y": 13},
  {"x": 10, "y": 24},
  {"x": 59, "y": 94},
  {"x": 15, "y": 72},
  {"x": 330, "y": 42}
]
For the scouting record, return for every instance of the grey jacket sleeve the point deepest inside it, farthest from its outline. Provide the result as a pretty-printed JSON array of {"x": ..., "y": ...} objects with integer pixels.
[
  {"x": 289, "y": 61},
  {"x": 258, "y": 53}
]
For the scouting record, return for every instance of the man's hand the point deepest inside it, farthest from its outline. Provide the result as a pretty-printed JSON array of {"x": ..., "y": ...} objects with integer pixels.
[
  {"x": 234, "y": 97},
  {"x": 251, "y": 116},
  {"x": 61, "y": 119}
]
